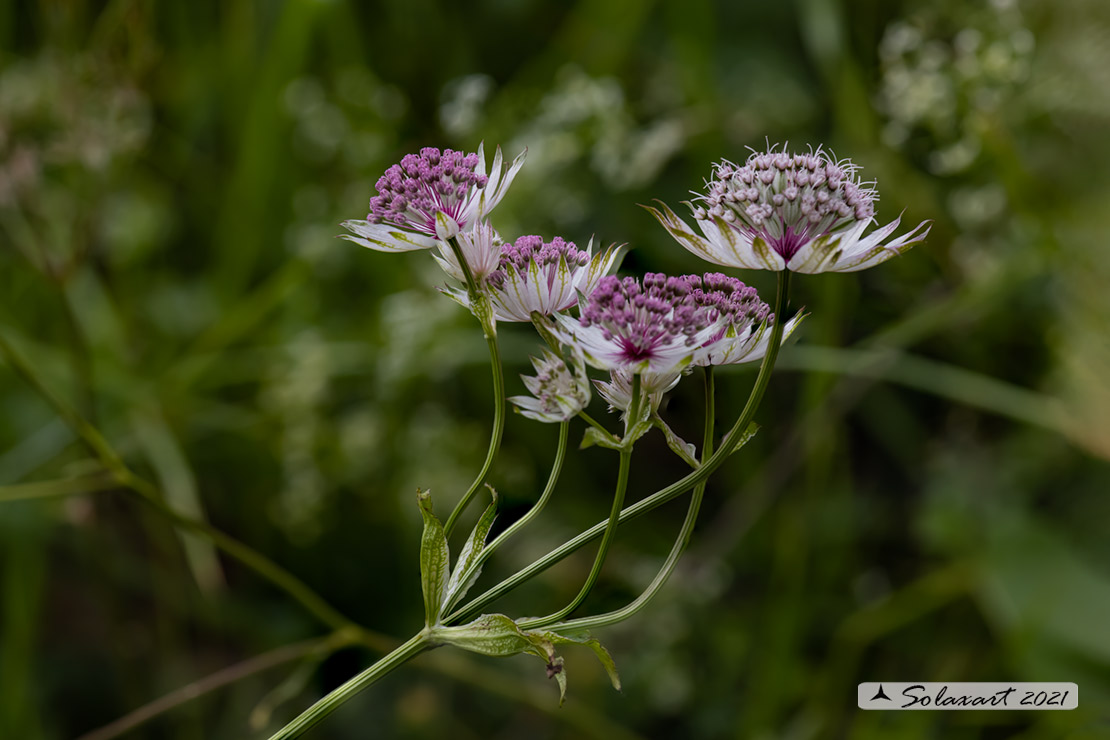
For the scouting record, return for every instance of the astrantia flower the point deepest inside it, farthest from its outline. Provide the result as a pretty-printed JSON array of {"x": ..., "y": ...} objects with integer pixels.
[
  {"x": 618, "y": 390},
  {"x": 745, "y": 322},
  {"x": 781, "y": 211},
  {"x": 534, "y": 275},
  {"x": 481, "y": 248},
  {"x": 558, "y": 394},
  {"x": 656, "y": 328},
  {"x": 430, "y": 196}
]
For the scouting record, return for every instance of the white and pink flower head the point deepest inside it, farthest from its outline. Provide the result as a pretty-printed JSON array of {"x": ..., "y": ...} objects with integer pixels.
[
  {"x": 745, "y": 322},
  {"x": 656, "y": 327},
  {"x": 782, "y": 211},
  {"x": 545, "y": 277},
  {"x": 432, "y": 196},
  {"x": 665, "y": 325}
]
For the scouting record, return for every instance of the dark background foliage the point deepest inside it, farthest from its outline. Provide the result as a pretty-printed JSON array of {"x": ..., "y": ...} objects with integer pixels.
[{"x": 927, "y": 499}]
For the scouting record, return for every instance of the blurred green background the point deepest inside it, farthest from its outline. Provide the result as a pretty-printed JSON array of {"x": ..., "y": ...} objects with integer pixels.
[{"x": 929, "y": 498}]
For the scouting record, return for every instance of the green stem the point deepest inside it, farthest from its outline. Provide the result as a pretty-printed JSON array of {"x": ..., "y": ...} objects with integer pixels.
[
  {"x": 217, "y": 680},
  {"x": 80, "y": 357},
  {"x": 92, "y": 483},
  {"x": 595, "y": 424},
  {"x": 662, "y": 496},
  {"x": 680, "y": 544},
  {"x": 484, "y": 312},
  {"x": 552, "y": 479},
  {"x": 321, "y": 709},
  {"x": 88, "y": 434},
  {"x": 150, "y": 494},
  {"x": 606, "y": 540},
  {"x": 246, "y": 555}
]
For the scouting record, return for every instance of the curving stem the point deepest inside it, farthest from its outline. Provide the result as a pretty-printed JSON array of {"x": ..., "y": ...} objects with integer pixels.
[
  {"x": 610, "y": 528},
  {"x": 662, "y": 496},
  {"x": 480, "y": 304},
  {"x": 677, "y": 549}
]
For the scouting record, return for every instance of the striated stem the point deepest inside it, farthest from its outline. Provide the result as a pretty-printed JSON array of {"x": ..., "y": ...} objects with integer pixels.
[
  {"x": 610, "y": 527},
  {"x": 482, "y": 309},
  {"x": 662, "y": 496},
  {"x": 314, "y": 714},
  {"x": 552, "y": 479},
  {"x": 602, "y": 552},
  {"x": 680, "y": 544}
]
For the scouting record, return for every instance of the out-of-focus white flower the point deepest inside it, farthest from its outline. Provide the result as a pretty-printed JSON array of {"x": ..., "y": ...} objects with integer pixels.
[
  {"x": 779, "y": 211},
  {"x": 558, "y": 393},
  {"x": 618, "y": 390},
  {"x": 481, "y": 248},
  {"x": 432, "y": 196}
]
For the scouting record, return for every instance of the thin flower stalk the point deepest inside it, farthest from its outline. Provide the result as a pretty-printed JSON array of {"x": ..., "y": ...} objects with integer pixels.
[
  {"x": 679, "y": 547},
  {"x": 735, "y": 436},
  {"x": 606, "y": 539},
  {"x": 522, "y": 522}
]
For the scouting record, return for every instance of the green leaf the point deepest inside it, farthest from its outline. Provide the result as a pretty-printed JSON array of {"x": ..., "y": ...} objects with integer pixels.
[
  {"x": 498, "y": 636},
  {"x": 638, "y": 430},
  {"x": 466, "y": 569},
  {"x": 494, "y": 635},
  {"x": 682, "y": 448},
  {"x": 179, "y": 484},
  {"x": 434, "y": 561},
  {"x": 595, "y": 436},
  {"x": 746, "y": 436},
  {"x": 594, "y": 644}
]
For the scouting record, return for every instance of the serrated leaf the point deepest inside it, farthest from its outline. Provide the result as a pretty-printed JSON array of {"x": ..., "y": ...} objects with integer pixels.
[
  {"x": 435, "y": 561},
  {"x": 466, "y": 573}
]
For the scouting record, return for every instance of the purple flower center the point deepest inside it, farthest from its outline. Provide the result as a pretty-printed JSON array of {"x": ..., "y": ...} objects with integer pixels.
[
  {"x": 411, "y": 193},
  {"x": 642, "y": 321},
  {"x": 787, "y": 199},
  {"x": 547, "y": 257},
  {"x": 738, "y": 305}
]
